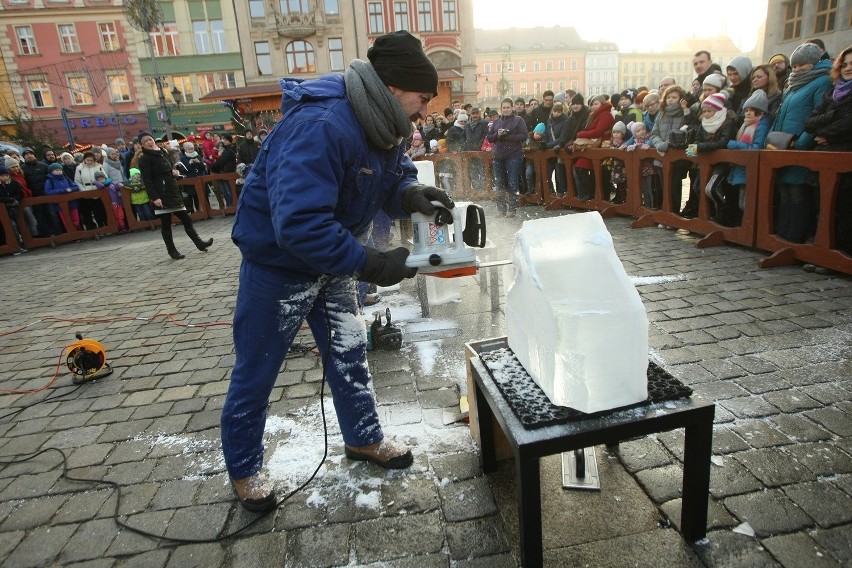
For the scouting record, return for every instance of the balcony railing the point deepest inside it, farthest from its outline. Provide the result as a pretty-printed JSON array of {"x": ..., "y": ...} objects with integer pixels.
[{"x": 297, "y": 25}]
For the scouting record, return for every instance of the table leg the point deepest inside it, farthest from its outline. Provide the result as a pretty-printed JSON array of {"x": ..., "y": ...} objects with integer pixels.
[
  {"x": 529, "y": 511},
  {"x": 698, "y": 446},
  {"x": 485, "y": 419}
]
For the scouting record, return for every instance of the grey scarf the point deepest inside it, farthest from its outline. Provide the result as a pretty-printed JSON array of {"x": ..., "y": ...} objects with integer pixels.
[
  {"x": 802, "y": 78},
  {"x": 380, "y": 114}
]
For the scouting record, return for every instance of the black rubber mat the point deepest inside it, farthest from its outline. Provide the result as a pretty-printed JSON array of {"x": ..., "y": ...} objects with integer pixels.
[{"x": 532, "y": 407}]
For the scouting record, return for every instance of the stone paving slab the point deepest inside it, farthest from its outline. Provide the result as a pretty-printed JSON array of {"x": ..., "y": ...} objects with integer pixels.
[{"x": 769, "y": 346}]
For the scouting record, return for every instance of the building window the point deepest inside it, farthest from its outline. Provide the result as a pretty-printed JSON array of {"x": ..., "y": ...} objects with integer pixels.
[
  {"x": 550, "y": 85},
  {"x": 119, "y": 88},
  {"x": 184, "y": 85},
  {"x": 202, "y": 37},
  {"x": 226, "y": 81},
  {"x": 548, "y": 65},
  {"x": 109, "y": 37},
  {"x": 424, "y": 15},
  {"x": 575, "y": 85},
  {"x": 537, "y": 66},
  {"x": 206, "y": 83},
  {"x": 450, "y": 15},
  {"x": 68, "y": 38},
  {"x": 562, "y": 86},
  {"x": 400, "y": 15},
  {"x": 826, "y": 13},
  {"x": 574, "y": 64},
  {"x": 256, "y": 9},
  {"x": 331, "y": 7},
  {"x": 792, "y": 19},
  {"x": 26, "y": 40},
  {"x": 263, "y": 57},
  {"x": 486, "y": 68},
  {"x": 217, "y": 30},
  {"x": 522, "y": 86},
  {"x": 510, "y": 67},
  {"x": 522, "y": 66},
  {"x": 295, "y": 7},
  {"x": 335, "y": 54},
  {"x": 40, "y": 94},
  {"x": 166, "y": 40},
  {"x": 377, "y": 24},
  {"x": 81, "y": 94},
  {"x": 537, "y": 87},
  {"x": 300, "y": 57}
]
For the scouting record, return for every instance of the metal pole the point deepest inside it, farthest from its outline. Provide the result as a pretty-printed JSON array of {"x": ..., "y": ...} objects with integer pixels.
[
  {"x": 68, "y": 133},
  {"x": 162, "y": 95}
]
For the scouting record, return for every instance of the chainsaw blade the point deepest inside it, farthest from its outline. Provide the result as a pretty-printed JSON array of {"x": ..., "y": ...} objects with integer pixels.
[{"x": 427, "y": 331}]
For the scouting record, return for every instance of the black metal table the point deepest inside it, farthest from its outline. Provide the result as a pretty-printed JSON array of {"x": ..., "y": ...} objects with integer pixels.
[{"x": 528, "y": 445}]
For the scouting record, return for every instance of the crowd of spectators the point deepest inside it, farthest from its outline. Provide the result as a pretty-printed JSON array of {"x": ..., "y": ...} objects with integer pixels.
[{"x": 114, "y": 168}]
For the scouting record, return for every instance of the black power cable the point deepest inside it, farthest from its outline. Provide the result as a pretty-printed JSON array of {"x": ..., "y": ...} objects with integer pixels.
[{"x": 116, "y": 513}]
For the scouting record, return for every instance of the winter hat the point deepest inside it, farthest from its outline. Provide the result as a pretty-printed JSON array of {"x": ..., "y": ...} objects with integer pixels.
[
  {"x": 628, "y": 93},
  {"x": 417, "y": 135},
  {"x": 4, "y": 170},
  {"x": 120, "y": 141},
  {"x": 135, "y": 171},
  {"x": 640, "y": 98},
  {"x": 433, "y": 144},
  {"x": 559, "y": 97},
  {"x": 743, "y": 66},
  {"x": 757, "y": 101},
  {"x": 539, "y": 128},
  {"x": 64, "y": 155},
  {"x": 634, "y": 126},
  {"x": 461, "y": 116},
  {"x": 716, "y": 101},
  {"x": 778, "y": 57},
  {"x": 54, "y": 166},
  {"x": 11, "y": 162},
  {"x": 96, "y": 150},
  {"x": 578, "y": 99},
  {"x": 99, "y": 175},
  {"x": 619, "y": 127},
  {"x": 144, "y": 133},
  {"x": 715, "y": 80},
  {"x": 399, "y": 60},
  {"x": 806, "y": 53}
]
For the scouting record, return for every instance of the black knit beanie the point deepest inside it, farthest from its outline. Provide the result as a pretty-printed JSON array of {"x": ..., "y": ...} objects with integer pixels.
[{"x": 399, "y": 61}]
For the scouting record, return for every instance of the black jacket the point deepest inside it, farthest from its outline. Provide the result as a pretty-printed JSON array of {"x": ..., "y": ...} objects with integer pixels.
[
  {"x": 36, "y": 174},
  {"x": 248, "y": 151},
  {"x": 474, "y": 133},
  {"x": 833, "y": 121},
  {"x": 556, "y": 132},
  {"x": 227, "y": 162},
  {"x": 156, "y": 169}
]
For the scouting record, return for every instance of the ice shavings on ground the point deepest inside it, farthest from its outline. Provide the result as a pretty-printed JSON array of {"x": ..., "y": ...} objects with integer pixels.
[
  {"x": 403, "y": 307},
  {"x": 295, "y": 447},
  {"x": 647, "y": 280}
]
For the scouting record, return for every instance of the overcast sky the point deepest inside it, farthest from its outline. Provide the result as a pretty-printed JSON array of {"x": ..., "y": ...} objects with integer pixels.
[{"x": 643, "y": 25}]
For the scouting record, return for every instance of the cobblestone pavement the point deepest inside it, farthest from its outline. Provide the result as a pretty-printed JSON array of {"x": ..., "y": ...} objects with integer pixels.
[{"x": 771, "y": 347}]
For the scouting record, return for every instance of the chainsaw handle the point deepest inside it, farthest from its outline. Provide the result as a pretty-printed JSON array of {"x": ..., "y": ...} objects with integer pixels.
[
  {"x": 443, "y": 216},
  {"x": 474, "y": 229}
]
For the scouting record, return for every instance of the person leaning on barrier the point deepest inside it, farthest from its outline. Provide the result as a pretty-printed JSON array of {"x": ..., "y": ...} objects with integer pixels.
[
  {"x": 805, "y": 87},
  {"x": 830, "y": 124}
]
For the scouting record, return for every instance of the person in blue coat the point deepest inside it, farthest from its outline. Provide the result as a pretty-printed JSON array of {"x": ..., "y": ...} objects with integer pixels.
[
  {"x": 804, "y": 91},
  {"x": 751, "y": 136},
  {"x": 331, "y": 163}
]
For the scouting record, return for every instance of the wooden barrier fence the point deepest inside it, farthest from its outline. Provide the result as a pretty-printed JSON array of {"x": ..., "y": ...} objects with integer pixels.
[{"x": 469, "y": 176}]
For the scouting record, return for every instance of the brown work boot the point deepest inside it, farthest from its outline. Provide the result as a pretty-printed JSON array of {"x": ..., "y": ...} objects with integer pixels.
[
  {"x": 388, "y": 454},
  {"x": 255, "y": 493}
]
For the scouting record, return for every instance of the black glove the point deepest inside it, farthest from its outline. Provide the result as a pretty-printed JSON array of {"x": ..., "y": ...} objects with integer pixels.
[
  {"x": 386, "y": 268},
  {"x": 419, "y": 198}
]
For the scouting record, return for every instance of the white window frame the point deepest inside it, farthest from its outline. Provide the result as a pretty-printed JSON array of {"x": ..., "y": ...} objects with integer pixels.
[
  {"x": 26, "y": 40},
  {"x": 166, "y": 40},
  {"x": 41, "y": 87},
  {"x": 108, "y": 35},
  {"x": 226, "y": 80},
  {"x": 293, "y": 55},
  {"x": 376, "y": 17},
  {"x": 80, "y": 90},
  {"x": 68, "y": 40},
  {"x": 332, "y": 7},
  {"x": 218, "y": 36},
  {"x": 119, "y": 86},
  {"x": 400, "y": 15},
  {"x": 206, "y": 83},
  {"x": 450, "y": 23},
  {"x": 201, "y": 37}
]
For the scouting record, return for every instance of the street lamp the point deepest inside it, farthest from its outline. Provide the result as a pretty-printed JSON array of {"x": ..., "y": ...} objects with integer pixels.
[{"x": 176, "y": 95}]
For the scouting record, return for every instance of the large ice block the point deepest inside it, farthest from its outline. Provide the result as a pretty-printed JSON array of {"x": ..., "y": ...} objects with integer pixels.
[{"x": 574, "y": 319}]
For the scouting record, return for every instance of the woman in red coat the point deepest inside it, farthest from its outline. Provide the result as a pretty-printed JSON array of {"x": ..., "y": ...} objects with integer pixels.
[{"x": 600, "y": 126}]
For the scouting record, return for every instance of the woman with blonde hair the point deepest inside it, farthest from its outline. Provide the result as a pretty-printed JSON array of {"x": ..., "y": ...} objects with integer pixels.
[{"x": 763, "y": 77}]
